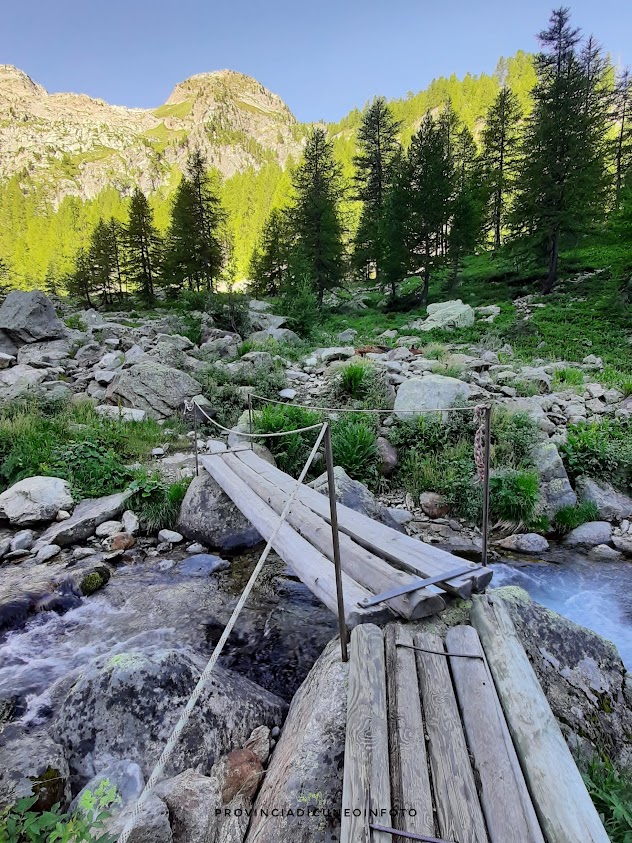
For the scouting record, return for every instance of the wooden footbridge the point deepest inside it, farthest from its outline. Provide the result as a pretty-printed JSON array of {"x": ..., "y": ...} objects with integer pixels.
[{"x": 384, "y": 572}]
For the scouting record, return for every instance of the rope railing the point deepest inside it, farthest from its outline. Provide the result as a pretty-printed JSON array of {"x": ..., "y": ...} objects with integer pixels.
[
  {"x": 185, "y": 716},
  {"x": 385, "y": 410}
]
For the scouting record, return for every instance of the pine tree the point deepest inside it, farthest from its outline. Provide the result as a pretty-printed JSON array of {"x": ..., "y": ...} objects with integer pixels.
[
  {"x": 102, "y": 257},
  {"x": 315, "y": 212},
  {"x": 500, "y": 157},
  {"x": 377, "y": 149},
  {"x": 561, "y": 189},
  {"x": 142, "y": 247},
  {"x": 394, "y": 234},
  {"x": 117, "y": 236},
  {"x": 430, "y": 191},
  {"x": 80, "y": 282},
  {"x": 194, "y": 239},
  {"x": 467, "y": 203},
  {"x": 622, "y": 116},
  {"x": 4, "y": 279},
  {"x": 269, "y": 263}
]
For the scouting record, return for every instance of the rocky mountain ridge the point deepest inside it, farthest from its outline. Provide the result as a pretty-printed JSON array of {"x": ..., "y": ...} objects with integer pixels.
[{"x": 77, "y": 145}]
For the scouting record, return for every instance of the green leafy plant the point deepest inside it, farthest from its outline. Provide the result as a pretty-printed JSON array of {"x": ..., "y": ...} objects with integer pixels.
[
  {"x": 513, "y": 437},
  {"x": 600, "y": 450},
  {"x": 568, "y": 376},
  {"x": 156, "y": 502},
  {"x": 290, "y": 452},
  {"x": 353, "y": 380},
  {"x": 569, "y": 517},
  {"x": 611, "y": 793},
  {"x": 354, "y": 448},
  {"x": 91, "y": 468},
  {"x": 514, "y": 496},
  {"x": 75, "y": 322}
]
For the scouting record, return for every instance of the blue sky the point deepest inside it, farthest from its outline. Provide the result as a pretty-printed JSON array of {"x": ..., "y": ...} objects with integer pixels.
[{"x": 323, "y": 58}]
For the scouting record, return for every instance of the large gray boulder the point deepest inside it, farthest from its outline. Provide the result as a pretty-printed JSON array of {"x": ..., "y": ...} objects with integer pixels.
[
  {"x": 125, "y": 707},
  {"x": 446, "y": 315},
  {"x": 307, "y": 764},
  {"x": 18, "y": 380},
  {"x": 153, "y": 387},
  {"x": 150, "y": 826},
  {"x": 582, "y": 676},
  {"x": 85, "y": 519},
  {"x": 432, "y": 392},
  {"x": 7, "y": 346},
  {"x": 33, "y": 764},
  {"x": 590, "y": 534},
  {"x": 49, "y": 353},
  {"x": 278, "y": 334},
  {"x": 35, "y": 500},
  {"x": 30, "y": 317},
  {"x": 356, "y": 496},
  {"x": 611, "y": 504},
  {"x": 524, "y": 543},
  {"x": 209, "y": 516},
  {"x": 555, "y": 487}
]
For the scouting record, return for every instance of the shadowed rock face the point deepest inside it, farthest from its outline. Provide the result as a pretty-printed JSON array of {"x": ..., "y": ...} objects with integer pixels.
[
  {"x": 582, "y": 676},
  {"x": 30, "y": 317},
  {"x": 157, "y": 389}
]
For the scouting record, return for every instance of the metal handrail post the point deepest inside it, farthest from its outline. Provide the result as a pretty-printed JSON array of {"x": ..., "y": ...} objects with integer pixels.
[
  {"x": 487, "y": 448},
  {"x": 333, "y": 514},
  {"x": 195, "y": 431},
  {"x": 252, "y": 442}
]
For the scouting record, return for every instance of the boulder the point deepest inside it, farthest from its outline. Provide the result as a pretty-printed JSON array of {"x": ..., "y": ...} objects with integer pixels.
[
  {"x": 356, "y": 496},
  {"x": 43, "y": 354},
  {"x": 434, "y": 505},
  {"x": 157, "y": 389},
  {"x": 446, "y": 315},
  {"x": 555, "y": 487},
  {"x": 30, "y": 317},
  {"x": 33, "y": 764},
  {"x": 432, "y": 392},
  {"x": 524, "y": 543},
  {"x": 278, "y": 334},
  {"x": 130, "y": 414},
  {"x": 203, "y": 565},
  {"x": 327, "y": 355},
  {"x": 7, "y": 346},
  {"x": 209, "y": 516},
  {"x": 347, "y": 336},
  {"x": 387, "y": 455},
  {"x": 125, "y": 707},
  {"x": 126, "y": 776},
  {"x": 6, "y": 360},
  {"x": 589, "y": 534},
  {"x": 18, "y": 379},
  {"x": 582, "y": 676},
  {"x": 150, "y": 826},
  {"x": 306, "y": 767},
  {"x": 85, "y": 519},
  {"x": 611, "y": 504},
  {"x": 35, "y": 500}
]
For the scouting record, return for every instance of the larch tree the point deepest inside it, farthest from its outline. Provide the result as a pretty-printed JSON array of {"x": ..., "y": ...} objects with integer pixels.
[
  {"x": 315, "y": 213},
  {"x": 394, "y": 234},
  {"x": 467, "y": 203},
  {"x": 500, "y": 157},
  {"x": 622, "y": 115},
  {"x": 102, "y": 257},
  {"x": 562, "y": 182},
  {"x": 377, "y": 149},
  {"x": 142, "y": 247},
  {"x": 269, "y": 263}
]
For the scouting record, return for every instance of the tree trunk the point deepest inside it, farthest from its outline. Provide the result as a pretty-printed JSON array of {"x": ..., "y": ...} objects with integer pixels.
[{"x": 553, "y": 259}]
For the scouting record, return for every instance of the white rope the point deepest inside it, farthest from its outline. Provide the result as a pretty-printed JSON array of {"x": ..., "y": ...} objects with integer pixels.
[
  {"x": 351, "y": 410},
  {"x": 159, "y": 768},
  {"x": 253, "y": 435}
]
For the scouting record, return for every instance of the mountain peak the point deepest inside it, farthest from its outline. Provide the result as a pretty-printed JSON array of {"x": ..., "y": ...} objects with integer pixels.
[{"x": 16, "y": 84}]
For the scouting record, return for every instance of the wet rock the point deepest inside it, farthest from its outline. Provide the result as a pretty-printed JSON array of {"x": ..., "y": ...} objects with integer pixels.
[
  {"x": 85, "y": 519},
  {"x": 434, "y": 504},
  {"x": 203, "y": 565},
  {"x": 108, "y": 528},
  {"x": 94, "y": 580},
  {"x": 33, "y": 764},
  {"x": 582, "y": 676},
  {"x": 49, "y": 551},
  {"x": 35, "y": 500},
  {"x": 30, "y": 317},
  {"x": 356, "y": 496},
  {"x": 157, "y": 389},
  {"x": 110, "y": 715},
  {"x": 590, "y": 534},
  {"x": 604, "y": 551},
  {"x": 209, "y": 516},
  {"x": 170, "y": 536},
  {"x": 307, "y": 764},
  {"x": 555, "y": 488},
  {"x": 524, "y": 543},
  {"x": 611, "y": 504},
  {"x": 432, "y": 392}
]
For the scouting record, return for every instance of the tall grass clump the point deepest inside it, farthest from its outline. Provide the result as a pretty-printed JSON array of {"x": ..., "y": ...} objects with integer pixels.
[
  {"x": 353, "y": 442},
  {"x": 291, "y": 451}
]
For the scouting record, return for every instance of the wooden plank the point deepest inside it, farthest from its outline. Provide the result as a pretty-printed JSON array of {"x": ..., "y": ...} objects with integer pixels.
[
  {"x": 309, "y": 565},
  {"x": 411, "y": 554},
  {"x": 369, "y": 570},
  {"x": 458, "y": 810},
  {"x": 502, "y": 790},
  {"x": 410, "y": 779},
  {"x": 560, "y": 798},
  {"x": 366, "y": 793}
]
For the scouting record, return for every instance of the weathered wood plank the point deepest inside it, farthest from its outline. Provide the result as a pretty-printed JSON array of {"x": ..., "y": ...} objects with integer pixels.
[
  {"x": 310, "y": 566},
  {"x": 364, "y": 567},
  {"x": 410, "y": 779},
  {"x": 560, "y": 798},
  {"x": 366, "y": 785},
  {"x": 415, "y": 556},
  {"x": 502, "y": 790},
  {"x": 458, "y": 809}
]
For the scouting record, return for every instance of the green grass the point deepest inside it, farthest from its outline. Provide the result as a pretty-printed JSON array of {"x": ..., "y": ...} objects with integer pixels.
[
  {"x": 180, "y": 110},
  {"x": 157, "y": 503},
  {"x": 567, "y": 377},
  {"x": 602, "y": 450},
  {"x": 611, "y": 793},
  {"x": 569, "y": 517}
]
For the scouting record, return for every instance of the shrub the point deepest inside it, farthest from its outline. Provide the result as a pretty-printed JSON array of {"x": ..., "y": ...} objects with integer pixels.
[
  {"x": 569, "y": 517},
  {"x": 600, "y": 450},
  {"x": 354, "y": 448},
  {"x": 513, "y": 437},
  {"x": 514, "y": 496},
  {"x": 156, "y": 502},
  {"x": 229, "y": 310},
  {"x": 92, "y": 468},
  {"x": 301, "y": 308},
  {"x": 611, "y": 792},
  {"x": 75, "y": 322},
  {"x": 221, "y": 389},
  {"x": 353, "y": 380},
  {"x": 290, "y": 452},
  {"x": 526, "y": 389}
]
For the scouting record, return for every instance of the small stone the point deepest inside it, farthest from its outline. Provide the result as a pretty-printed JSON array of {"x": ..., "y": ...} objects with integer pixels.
[
  {"x": 275, "y": 732},
  {"x": 119, "y": 541},
  {"x": 83, "y": 553},
  {"x": 49, "y": 551},
  {"x": 196, "y": 547},
  {"x": 104, "y": 377},
  {"x": 130, "y": 522},
  {"x": 434, "y": 505},
  {"x": 170, "y": 536},
  {"x": 22, "y": 540},
  {"x": 288, "y": 394},
  {"x": 108, "y": 528},
  {"x": 203, "y": 565},
  {"x": 62, "y": 515},
  {"x": 94, "y": 580},
  {"x": 604, "y": 551},
  {"x": 524, "y": 543},
  {"x": 6, "y": 360}
]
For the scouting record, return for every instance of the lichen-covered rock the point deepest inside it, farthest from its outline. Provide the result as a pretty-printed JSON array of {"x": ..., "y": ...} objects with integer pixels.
[
  {"x": 125, "y": 706},
  {"x": 582, "y": 676},
  {"x": 35, "y": 500},
  {"x": 555, "y": 487},
  {"x": 611, "y": 504},
  {"x": 432, "y": 392},
  {"x": 94, "y": 580},
  {"x": 18, "y": 379},
  {"x": 157, "y": 389},
  {"x": 307, "y": 763},
  {"x": 85, "y": 519},
  {"x": 524, "y": 543},
  {"x": 589, "y": 534},
  {"x": 33, "y": 764},
  {"x": 356, "y": 496},
  {"x": 150, "y": 826},
  {"x": 209, "y": 516},
  {"x": 446, "y": 315},
  {"x": 30, "y": 317}
]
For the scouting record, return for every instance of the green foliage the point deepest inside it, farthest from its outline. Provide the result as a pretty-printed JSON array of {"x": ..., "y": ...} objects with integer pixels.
[
  {"x": 20, "y": 824},
  {"x": 354, "y": 380},
  {"x": 143, "y": 247},
  {"x": 91, "y": 467},
  {"x": 354, "y": 448},
  {"x": 156, "y": 502},
  {"x": 602, "y": 450},
  {"x": 568, "y": 376},
  {"x": 514, "y": 496},
  {"x": 569, "y": 517},
  {"x": 75, "y": 322},
  {"x": 222, "y": 389},
  {"x": 229, "y": 311},
  {"x": 300, "y": 304},
  {"x": 513, "y": 437},
  {"x": 611, "y": 793},
  {"x": 291, "y": 452}
]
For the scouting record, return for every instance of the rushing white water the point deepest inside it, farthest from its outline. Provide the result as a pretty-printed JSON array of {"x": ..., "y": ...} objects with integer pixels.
[{"x": 597, "y": 595}]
